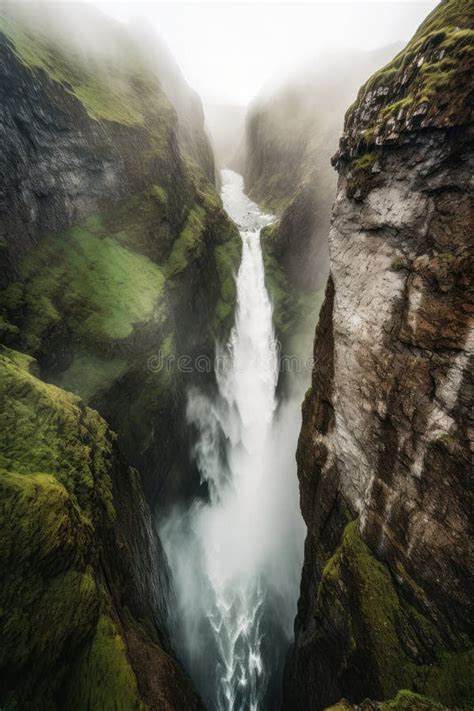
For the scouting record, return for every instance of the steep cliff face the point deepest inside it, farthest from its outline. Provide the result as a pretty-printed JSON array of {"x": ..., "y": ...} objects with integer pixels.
[
  {"x": 115, "y": 254},
  {"x": 383, "y": 455},
  {"x": 291, "y": 133},
  {"x": 187, "y": 103},
  {"x": 77, "y": 136},
  {"x": 83, "y": 579},
  {"x": 288, "y": 143},
  {"x": 115, "y": 248},
  {"x": 87, "y": 67}
]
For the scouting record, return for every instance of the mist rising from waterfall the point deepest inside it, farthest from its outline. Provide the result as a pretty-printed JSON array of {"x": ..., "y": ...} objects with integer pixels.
[{"x": 236, "y": 557}]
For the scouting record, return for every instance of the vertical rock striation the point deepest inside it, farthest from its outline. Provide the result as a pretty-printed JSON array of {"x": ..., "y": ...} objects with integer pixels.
[{"x": 383, "y": 457}]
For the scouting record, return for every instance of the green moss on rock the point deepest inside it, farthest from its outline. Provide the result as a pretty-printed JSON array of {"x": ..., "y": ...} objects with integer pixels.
[
  {"x": 54, "y": 481},
  {"x": 409, "y": 701},
  {"x": 90, "y": 373},
  {"x": 93, "y": 303},
  {"x": 294, "y": 311},
  {"x": 363, "y": 175},
  {"x": 97, "y": 304},
  {"x": 94, "y": 286},
  {"x": 187, "y": 244},
  {"x": 62, "y": 646},
  {"x": 48, "y": 430},
  {"x": 227, "y": 257},
  {"x": 119, "y": 89},
  {"x": 103, "y": 678},
  {"x": 365, "y": 162},
  {"x": 395, "y": 640},
  {"x": 42, "y": 534},
  {"x": 159, "y": 193},
  {"x": 427, "y": 84},
  {"x": 101, "y": 287}
]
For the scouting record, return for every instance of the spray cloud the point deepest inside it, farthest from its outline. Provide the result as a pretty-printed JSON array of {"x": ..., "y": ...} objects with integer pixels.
[{"x": 236, "y": 558}]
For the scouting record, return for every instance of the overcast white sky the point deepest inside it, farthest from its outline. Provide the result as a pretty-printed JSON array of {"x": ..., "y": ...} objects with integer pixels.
[{"x": 228, "y": 50}]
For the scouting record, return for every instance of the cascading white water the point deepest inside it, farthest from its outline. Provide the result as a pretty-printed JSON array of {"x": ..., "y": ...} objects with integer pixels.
[{"x": 236, "y": 558}]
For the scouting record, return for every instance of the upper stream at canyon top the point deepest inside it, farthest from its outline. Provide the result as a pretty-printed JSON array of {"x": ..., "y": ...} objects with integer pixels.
[{"x": 236, "y": 557}]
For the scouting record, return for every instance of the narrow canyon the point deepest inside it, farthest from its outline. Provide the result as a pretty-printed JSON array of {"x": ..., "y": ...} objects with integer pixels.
[{"x": 236, "y": 357}]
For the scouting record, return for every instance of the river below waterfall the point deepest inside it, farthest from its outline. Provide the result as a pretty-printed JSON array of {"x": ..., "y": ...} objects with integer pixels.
[{"x": 236, "y": 557}]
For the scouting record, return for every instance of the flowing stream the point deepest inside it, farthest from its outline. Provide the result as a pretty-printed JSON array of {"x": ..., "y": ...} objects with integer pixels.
[{"x": 236, "y": 557}]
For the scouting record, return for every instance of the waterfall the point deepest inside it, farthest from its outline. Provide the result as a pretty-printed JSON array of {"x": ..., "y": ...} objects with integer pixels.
[{"x": 236, "y": 558}]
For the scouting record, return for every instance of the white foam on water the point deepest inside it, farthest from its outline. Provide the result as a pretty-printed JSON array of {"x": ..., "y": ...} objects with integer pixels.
[{"x": 236, "y": 558}]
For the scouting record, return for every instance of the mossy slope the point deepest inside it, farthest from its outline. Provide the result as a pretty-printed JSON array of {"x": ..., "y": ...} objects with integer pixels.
[
  {"x": 96, "y": 302},
  {"x": 384, "y": 639},
  {"x": 113, "y": 247},
  {"x": 114, "y": 85},
  {"x": 295, "y": 310},
  {"x": 127, "y": 253},
  {"x": 427, "y": 85},
  {"x": 62, "y": 610}
]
